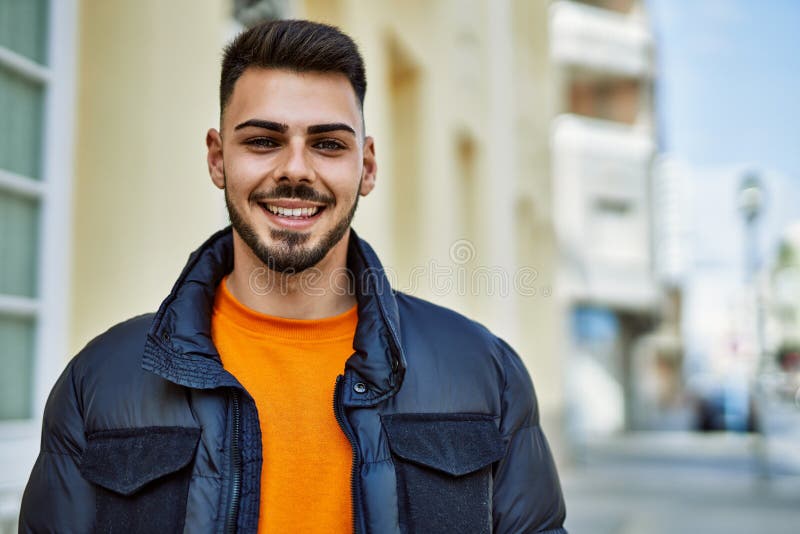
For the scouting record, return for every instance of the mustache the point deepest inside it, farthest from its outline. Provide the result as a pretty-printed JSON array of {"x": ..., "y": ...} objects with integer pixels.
[{"x": 299, "y": 192}]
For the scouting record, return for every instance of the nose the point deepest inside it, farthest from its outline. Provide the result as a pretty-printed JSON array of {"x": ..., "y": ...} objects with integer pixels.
[{"x": 294, "y": 164}]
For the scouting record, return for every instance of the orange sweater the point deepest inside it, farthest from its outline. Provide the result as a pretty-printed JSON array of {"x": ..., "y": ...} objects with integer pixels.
[{"x": 289, "y": 366}]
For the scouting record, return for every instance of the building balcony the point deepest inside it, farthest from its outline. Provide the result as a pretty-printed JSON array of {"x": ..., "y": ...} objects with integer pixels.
[
  {"x": 601, "y": 175},
  {"x": 593, "y": 39}
]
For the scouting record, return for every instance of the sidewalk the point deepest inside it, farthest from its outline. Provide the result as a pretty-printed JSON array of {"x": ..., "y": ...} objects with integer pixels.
[{"x": 678, "y": 483}]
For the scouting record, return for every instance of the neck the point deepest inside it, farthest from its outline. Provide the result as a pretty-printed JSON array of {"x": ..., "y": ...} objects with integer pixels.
[{"x": 322, "y": 291}]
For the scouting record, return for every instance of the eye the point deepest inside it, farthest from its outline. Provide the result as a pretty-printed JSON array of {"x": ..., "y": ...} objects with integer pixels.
[
  {"x": 261, "y": 142},
  {"x": 330, "y": 144}
]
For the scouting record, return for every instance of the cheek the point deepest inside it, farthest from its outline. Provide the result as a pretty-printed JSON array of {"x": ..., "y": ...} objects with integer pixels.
[
  {"x": 341, "y": 177},
  {"x": 248, "y": 169},
  {"x": 345, "y": 192},
  {"x": 244, "y": 174},
  {"x": 238, "y": 193}
]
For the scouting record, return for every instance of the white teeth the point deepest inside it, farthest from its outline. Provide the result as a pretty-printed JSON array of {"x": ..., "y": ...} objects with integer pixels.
[{"x": 293, "y": 212}]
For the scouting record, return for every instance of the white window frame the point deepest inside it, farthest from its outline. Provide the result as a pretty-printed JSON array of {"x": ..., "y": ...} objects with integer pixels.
[{"x": 19, "y": 440}]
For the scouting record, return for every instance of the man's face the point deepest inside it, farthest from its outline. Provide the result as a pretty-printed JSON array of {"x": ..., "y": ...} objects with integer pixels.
[{"x": 292, "y": 159}]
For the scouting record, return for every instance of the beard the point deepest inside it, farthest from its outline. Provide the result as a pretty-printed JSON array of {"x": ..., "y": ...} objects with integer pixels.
[{"x": 290, "y": 256}]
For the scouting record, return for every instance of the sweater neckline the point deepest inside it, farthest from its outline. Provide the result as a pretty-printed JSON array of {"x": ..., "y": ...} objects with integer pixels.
[{"x": 262, "y": 324}]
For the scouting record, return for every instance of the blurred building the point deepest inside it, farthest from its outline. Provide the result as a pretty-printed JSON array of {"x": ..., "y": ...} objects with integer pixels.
[
  {"x": 603, "y": 147},
  {"x": 777, "y": 384},
  {"x": 514, "y": 143},
  {"x": 784, "y": 296},
  {"x": 735, "y": 273}
]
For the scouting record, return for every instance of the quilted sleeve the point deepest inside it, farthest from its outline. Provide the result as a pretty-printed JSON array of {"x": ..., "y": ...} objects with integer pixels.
[
  {"x": 527, "y": 491},
  {"x": 57, "y": 498}
]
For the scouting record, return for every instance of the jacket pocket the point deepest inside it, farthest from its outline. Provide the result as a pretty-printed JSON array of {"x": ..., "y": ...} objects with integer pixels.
[
  {"x": 443, "y": 464},
  {"x": 141, "y": 476}
]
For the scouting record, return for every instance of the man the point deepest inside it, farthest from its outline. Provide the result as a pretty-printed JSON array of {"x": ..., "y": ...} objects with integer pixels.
[{"x": 283, "y": 386}]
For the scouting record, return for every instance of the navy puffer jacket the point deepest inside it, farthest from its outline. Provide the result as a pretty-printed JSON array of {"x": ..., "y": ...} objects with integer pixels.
[{"x": 146, "y": 432}]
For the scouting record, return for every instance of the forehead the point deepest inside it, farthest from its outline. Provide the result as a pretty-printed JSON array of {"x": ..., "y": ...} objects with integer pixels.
[{"x": 293, "y": 98}]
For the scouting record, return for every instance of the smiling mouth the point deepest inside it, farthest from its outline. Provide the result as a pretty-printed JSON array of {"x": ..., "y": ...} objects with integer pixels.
[{"x": 292, "y": 213}]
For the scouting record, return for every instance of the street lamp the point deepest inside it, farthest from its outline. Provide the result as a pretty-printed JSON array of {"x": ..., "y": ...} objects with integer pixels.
[
  {"x": 751, "y": 196},
  {"x": 751, "y": 201},
  {"x": 751, "y": 205}
]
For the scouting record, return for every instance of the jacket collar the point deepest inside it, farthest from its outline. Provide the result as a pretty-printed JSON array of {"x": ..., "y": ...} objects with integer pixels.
[{"x": 179, "y": 347}]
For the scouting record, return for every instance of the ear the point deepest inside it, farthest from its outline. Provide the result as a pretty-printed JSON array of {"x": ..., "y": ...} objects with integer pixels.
[
  {"x": 370, "y": 167},
  {"x": 216, "y": 169}
]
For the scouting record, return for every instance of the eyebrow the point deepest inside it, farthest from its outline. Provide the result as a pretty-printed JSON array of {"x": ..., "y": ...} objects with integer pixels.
[
  {"x": 331, "y": 127},
  {"x": 283, "y": 128},
  {"x": 266, "y": 125}
]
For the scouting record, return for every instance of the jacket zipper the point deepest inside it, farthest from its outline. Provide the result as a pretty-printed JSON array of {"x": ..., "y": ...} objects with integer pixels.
[
  {"x": 355, "y": 493},
  {"x": 236, "y": 470}
]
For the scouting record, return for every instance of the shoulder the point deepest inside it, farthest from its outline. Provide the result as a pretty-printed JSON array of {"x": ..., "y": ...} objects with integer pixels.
[
  {"x": 129, "y": 330},
  {"x": 438, "y": 325},
  {"x": 419, "y": 317},
  {"x": 466, "y": 346},
  {"x": 111, "y": 387},
  {"x": 105, "y": 361},
  {"x": 118, "y": 348}
]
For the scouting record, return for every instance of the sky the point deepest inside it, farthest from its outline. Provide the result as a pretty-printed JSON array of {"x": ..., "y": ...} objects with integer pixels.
[
  {"x": 728, "y": 82},
  {"x": 728, "y": 101}
]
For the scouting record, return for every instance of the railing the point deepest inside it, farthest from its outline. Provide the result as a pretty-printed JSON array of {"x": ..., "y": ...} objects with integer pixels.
[{"x": 600, "y": 39}]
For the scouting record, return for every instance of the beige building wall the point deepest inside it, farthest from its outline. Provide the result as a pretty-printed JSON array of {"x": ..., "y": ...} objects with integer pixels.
[
  {"x": 418, "y": 118},
  {"x": 147, "y": 93},
  {"x": 603, "y": 144},
  {"x": 542, "y": 315}
]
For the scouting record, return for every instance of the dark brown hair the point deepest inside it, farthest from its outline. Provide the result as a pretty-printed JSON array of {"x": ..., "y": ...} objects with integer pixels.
[{"x": 297, "y": 45}]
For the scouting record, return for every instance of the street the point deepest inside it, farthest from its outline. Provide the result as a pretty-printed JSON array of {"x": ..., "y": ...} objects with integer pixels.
[{"x": 682, "y": 484}]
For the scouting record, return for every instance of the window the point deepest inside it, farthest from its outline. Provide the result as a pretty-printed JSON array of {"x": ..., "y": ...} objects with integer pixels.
[
  {"x": 22, "y": 85},
  {"x": 36, "y": 98}
]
